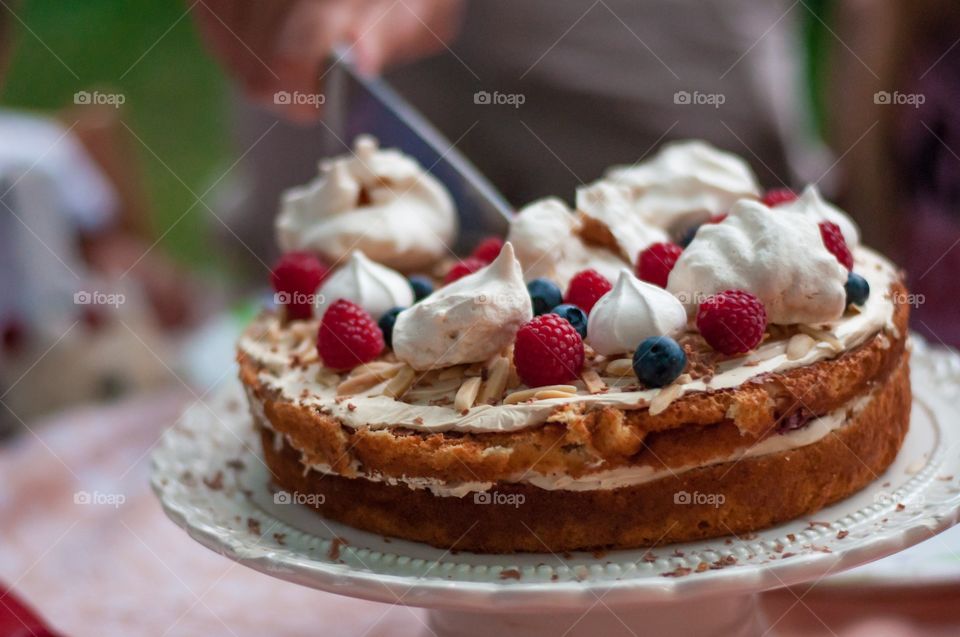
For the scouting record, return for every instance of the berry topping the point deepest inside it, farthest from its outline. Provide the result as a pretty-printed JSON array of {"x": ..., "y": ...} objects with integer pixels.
[
  {"x": 858, "y": 290},
  {"x": 461, "y": 269},
  {"x": 488, "y": 249},
  {"x": 658, "y": 361},
  {"x": 574, "y": 315},
  {"x": 348, "y": 336},
  {"x": 687, "y": 236},
  {"x": 777, "y": 196},
  {"x": 548, "y": 351},
  {"x": 655, "y": 263},
  {"x": 422, "y": 287},
  {"x": 545, "y": 295},
  {"x": 836, "y": 244},
  {"x": 717, "y": 218},
  {"x": 295, "y": 279},
  {"x": 585, "y": 288},
  {"x": 387, "y": 322},
  {"x": 732, "y": 322}
]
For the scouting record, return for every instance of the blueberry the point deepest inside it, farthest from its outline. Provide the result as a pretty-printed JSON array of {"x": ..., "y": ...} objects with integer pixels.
[
  {"x": 687, "y": 236},
  {"x": 658, "y": 361},
  {"x": 858, "y": 290},
  {"x": 386, "y": 323},
  {"x": 545, "y": 295},
  {"x": 422, "y": 287},
  {"x": 576, "y": 317}
]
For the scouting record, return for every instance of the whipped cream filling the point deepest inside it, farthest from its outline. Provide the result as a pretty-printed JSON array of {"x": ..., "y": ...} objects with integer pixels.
[
  {"x": 379, "y": 201},
  {"x": 313, "y": 386}
]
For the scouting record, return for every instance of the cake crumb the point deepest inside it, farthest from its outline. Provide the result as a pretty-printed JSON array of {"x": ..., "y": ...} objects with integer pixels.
[
  {"x": 842, "y": 534},
  {"x": 335, "y": 544},
  {"x": 680, "y": 571},
  {"x": 510, "y": 573},
  {"x": 901, "y": 506},
  {"x": 216, "y": 482},
  {"x": 253, "y": 525}
]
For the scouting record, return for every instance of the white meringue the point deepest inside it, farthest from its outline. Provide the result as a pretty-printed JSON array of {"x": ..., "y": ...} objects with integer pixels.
[
  {"x": 812, "y": 204},
  {"x": 466, "y": 321},
  {"x": 685, "y": 183},
  {"x": 378, "y": 201},
  {"x": 610, "y": 205},
  {"x": 776, "y": 255},
  {"x": 374, "y": 287},
  {"x": 631, "y": 312},
  {"x": 545, "y": 235}
]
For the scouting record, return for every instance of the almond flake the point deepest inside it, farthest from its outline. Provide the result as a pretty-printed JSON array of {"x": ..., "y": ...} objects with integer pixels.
[
  {"x": 799, "y": 345},
  {"x": 527, "y": 394},
  {"x": 592, "y": 380},
  {"x": 496, "y": 381},
  {"x": 664, "y": 397},
  {"x": 545, "y": 394},
  {"x": 401, "y": 383},
  {"x": 467, "y": 394},
  {"x": 619, "y": 367}
]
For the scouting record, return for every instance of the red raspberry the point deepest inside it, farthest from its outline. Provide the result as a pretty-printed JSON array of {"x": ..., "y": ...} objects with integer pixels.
[
  {"x": 548, "y": 351},
  {"x": 461, "y": 269},
  {"x": 732, "y": 322},
  {"x": 488, "y": 249},
  {"x": 717, "y": 218},
  {"x": 585, "y": 288},
  {"x": 348, "y": 336},
  {"x": 656, "y": 262},
  {"x": 295, "y": 278},
  {"x": 777, "y": 196},
  {"x": 836, "y": 244}
]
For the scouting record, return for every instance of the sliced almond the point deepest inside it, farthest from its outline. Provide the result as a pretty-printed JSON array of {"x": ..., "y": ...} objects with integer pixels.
[
  {"x": 799, "y": 345},
  {"x": 592, "y": 380},
  {"x": 527, "y": 394},
  {"x": 545, "y": 394},
  {"x": 822, "y": 335},
  {"x": 357, "y": 384},
  {"x": 619, "y": 367},
  {"x": 401, "y": 383},
  {"x": 664, "y": 397},
  {"x": 496, "y": 381},
  {"x": 451, "y": 372},
  {"x": 467, "y": 394},
  {"x": 474, "y": 370}
]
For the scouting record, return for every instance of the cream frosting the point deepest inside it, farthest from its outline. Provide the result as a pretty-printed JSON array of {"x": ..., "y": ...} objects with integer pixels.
[
  {"x": 631, "y": 312},
  {"x": 467, "y": 321},
  {"x": 610, "y": 205},
  {"x": 778, "y": 256},
  {"x": 374, "y": 287},
  {"x": 811, "y": 204},
  {"x": 315, "y": 387},
  {"x": 546, "y": 237},
  {"x": 375, "y": 200},
  {"x": 685, "y": 183}
]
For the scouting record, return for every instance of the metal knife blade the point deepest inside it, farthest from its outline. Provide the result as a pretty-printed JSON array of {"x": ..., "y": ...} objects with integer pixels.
[{"x": 357, "y": 104}]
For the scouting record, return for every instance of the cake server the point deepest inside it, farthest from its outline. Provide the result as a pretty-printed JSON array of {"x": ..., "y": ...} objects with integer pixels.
[{"x": 357, "y": 104}]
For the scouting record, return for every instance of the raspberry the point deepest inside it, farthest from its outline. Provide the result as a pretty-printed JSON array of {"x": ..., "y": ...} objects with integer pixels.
[
  {"x": 548, "y": 351},
  {"x": 488, "y": 249},
  {"x": 348, "y": 336},
  {"x": 776, "y": 196},
  {"x": 717, "y": 218},
  {"x": 461, "y": 269},
  {"x": 585, "y": 288},
  {"x": 656, "y": 262},
  {"x": 295, "y": 278},
  {"x": 836, "y": 244},
  {"x": 732, "y": 322}
]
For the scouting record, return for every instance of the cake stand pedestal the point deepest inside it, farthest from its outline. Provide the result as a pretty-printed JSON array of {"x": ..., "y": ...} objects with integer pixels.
[{"x": 210, "y": 479}]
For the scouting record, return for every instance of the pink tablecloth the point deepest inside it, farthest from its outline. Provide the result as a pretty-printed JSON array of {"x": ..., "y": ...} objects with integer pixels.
[{"x": 85, "y": 543}]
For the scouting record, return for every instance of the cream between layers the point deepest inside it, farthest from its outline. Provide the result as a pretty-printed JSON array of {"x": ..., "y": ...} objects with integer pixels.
[
  {"x": 274, "y": 346},
  {"x": 378, "y": 201}
]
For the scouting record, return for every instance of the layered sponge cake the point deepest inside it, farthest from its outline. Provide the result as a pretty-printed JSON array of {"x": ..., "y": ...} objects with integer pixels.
[{"x": 679, "y": 356}]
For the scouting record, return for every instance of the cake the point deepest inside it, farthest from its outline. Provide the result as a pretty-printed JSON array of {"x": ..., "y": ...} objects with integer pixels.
[{"x": 680, "y": 356}]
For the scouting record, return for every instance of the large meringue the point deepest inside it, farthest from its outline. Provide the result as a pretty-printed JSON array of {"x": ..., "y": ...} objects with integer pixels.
[
  {"x": 610, "y": 205},
  {"x": 776, "y": 255},
  {"x": 546, "y": 237},
  {"x": 631, "y": 312},
  {"x": 467, "y": 321},
  {"x": 374, "y": 287},
  {"x": 378, "y": 201},
  {"x": 813, "y": 205},
  {"x": 685, "y": 183}
]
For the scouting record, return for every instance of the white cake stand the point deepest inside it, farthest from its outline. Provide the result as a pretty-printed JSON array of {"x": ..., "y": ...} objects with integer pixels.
[{"x": 211, "y": 481}]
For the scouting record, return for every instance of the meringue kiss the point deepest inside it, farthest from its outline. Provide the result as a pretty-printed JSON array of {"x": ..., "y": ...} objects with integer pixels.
[{"x": 374, "y": 287}]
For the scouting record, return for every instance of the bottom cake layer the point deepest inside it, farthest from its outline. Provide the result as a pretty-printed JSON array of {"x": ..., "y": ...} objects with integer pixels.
[{"x": 730, "y": 498}]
